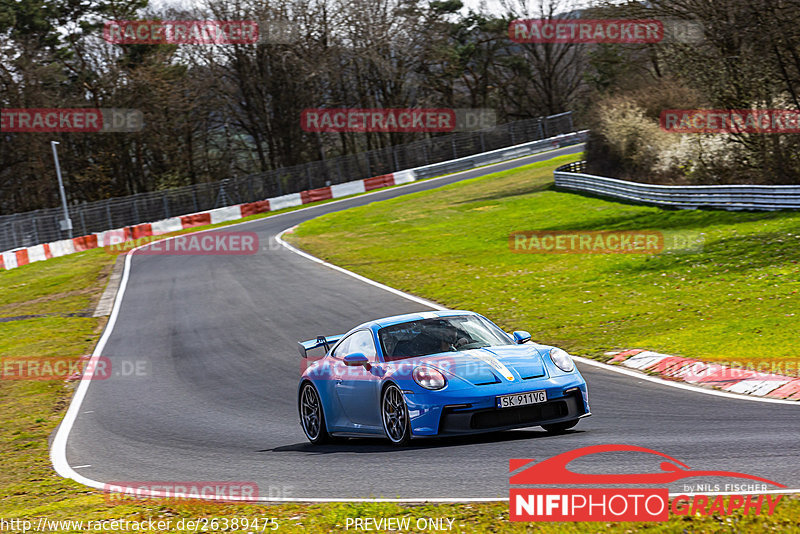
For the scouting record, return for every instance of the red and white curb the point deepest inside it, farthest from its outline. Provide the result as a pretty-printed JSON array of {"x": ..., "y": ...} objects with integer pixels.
[
  {"x": 24, "y": 256},
  {"x": 710, "y": 375}
]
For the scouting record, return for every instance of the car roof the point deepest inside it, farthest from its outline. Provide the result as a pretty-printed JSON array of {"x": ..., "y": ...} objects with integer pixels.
[{"x": 397, "y": 319}]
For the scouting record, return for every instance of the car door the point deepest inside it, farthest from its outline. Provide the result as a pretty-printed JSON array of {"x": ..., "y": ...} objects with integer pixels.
[{"x": 358, "y": 388}]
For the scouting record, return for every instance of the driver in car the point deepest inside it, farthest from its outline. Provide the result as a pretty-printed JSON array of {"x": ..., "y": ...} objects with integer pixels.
[{"x": 450, "y": 338}]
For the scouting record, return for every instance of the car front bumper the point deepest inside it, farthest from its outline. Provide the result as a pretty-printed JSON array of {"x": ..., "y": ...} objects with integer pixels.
[{"x": 465, "y": 412}]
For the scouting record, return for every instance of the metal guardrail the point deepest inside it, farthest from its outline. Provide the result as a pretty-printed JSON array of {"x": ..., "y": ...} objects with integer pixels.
[
  {"x": 503, "y": 154},
  {"x": 42, "y": 226},
  {"x": 571, "y": 177}
]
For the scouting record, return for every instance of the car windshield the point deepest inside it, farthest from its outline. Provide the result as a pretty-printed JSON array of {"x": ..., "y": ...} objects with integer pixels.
[{"x": 440, "y": 334}]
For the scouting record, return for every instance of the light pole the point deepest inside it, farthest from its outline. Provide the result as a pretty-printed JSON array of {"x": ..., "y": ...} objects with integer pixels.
[{"x": 66, "y": 224}]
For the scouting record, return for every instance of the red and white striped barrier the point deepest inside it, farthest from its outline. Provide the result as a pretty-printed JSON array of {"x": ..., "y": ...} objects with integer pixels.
[
  {"x": 748, "y": 380},
  {"x": 24, "y": 256}
]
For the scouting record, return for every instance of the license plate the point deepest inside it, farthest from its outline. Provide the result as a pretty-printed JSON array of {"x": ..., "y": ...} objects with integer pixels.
[{"x": 521, "y": 399}]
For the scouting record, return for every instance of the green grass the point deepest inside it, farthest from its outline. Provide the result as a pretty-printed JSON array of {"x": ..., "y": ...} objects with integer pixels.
[
  {"x": 58, "y": 285},
  {"x": 49, "y": 336},
  {"x": 734, "y": 300},
  {"x": 31, "y": 410}
]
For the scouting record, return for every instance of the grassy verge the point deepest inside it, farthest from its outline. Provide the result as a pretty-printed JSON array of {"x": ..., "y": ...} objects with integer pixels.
[
  {"x": 59, "y": 285},
  {"x": 31, "y": 410},
  {"x": 734, "y": 300}
]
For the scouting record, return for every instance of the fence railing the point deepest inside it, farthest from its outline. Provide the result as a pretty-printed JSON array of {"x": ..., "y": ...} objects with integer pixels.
[
  {"x": 502, "y": 154},
  {"x": 42, "y": 226},
  {"x": 571, "y": 177}
]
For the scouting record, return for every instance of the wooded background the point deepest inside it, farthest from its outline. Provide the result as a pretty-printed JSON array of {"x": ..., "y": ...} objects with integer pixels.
[{"x": 220, "y": 111}]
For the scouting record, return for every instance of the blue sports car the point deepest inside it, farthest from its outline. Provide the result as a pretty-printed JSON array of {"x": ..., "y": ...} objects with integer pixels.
[{"x": 435, "y": 374}]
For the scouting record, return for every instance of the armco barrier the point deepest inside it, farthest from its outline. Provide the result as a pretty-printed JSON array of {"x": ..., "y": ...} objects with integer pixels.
[
  {"x": 726, "y": 197},
  {"x": 23, "y": 256},
  {"x": 502, "y": 154}
]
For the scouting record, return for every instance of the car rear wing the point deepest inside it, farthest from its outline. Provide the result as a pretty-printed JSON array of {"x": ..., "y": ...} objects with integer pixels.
[{"x": 321, "y": 341}]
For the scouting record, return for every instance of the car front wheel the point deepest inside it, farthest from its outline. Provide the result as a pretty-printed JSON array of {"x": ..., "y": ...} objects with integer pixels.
[{"x": 394, "y": 413}]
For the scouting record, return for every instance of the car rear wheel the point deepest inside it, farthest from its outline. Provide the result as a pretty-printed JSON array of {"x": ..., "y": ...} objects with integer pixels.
[
  {"x": 311, "y": 415},
  {"x": 558, "y": 428},
  {"x": 394, "y": 413}
]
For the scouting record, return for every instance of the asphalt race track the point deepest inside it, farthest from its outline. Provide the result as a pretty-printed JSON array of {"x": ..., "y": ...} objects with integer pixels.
[{"x": 215, "y": 400}]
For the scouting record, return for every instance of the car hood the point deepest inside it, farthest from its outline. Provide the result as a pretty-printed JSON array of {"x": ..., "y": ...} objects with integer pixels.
[{"x": 490, "y": 365}]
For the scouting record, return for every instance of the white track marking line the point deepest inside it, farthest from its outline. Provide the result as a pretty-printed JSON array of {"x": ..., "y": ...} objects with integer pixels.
[
  {"x": 58, "y": 451},
  {"x": 364, "y": 279}
]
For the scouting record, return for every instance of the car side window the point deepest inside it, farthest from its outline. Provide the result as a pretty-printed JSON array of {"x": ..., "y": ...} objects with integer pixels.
[
  {"x": 342, "y": 349},
  {"x": 362, "y": 342}
]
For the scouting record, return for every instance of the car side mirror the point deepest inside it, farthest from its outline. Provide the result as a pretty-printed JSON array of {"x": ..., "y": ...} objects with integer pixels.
[
  {"x": 356, "y": 359},
  {"x": 521, "y": 336}
]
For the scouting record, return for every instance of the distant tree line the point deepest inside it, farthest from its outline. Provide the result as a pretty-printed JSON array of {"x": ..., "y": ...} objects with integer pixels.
[
  {"x": 746, "y": 56},
  {"x": 213, "y": 112}
]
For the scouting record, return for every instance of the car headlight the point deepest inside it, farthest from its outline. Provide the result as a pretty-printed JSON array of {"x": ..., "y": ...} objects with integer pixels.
[
  {"x": 429, "y": 378},
  {"x": 562, "y": 360}
]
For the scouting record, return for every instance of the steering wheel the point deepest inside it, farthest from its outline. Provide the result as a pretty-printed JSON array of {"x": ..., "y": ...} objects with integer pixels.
[{"x": 461, "y": 342}]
